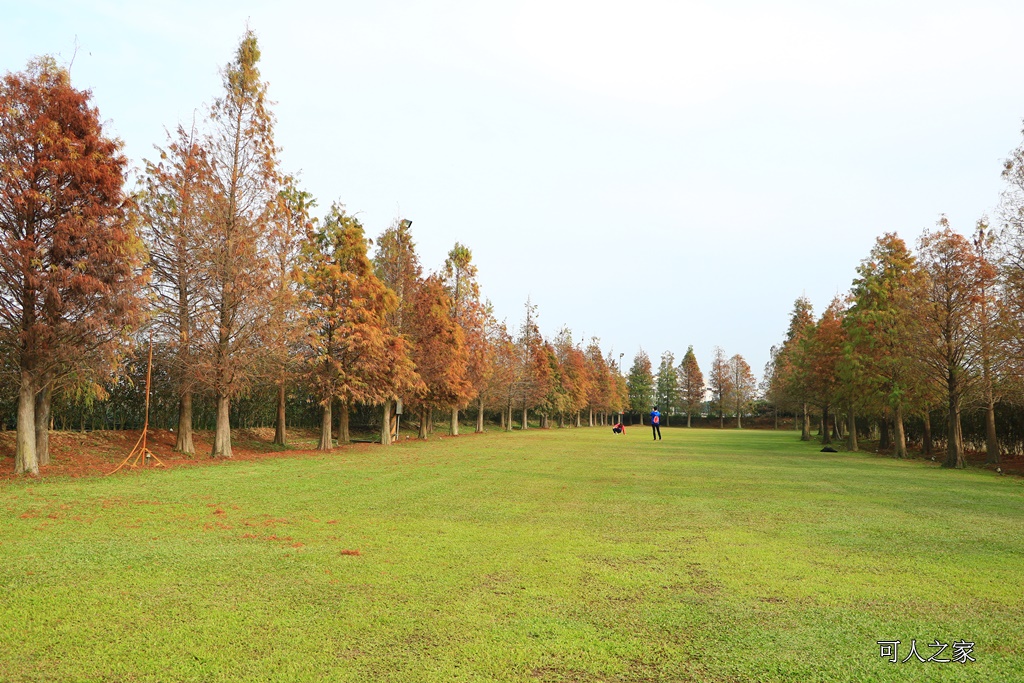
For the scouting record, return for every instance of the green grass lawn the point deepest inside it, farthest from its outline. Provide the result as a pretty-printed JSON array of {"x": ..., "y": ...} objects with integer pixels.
[{"x": 562, "y": 555}]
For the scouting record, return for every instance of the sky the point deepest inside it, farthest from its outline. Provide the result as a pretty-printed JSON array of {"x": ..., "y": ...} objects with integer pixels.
[{"x": 656, "y": 174}]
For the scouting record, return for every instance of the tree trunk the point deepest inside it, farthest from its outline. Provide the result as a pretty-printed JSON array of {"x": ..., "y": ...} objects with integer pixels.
[
  {"x": 280, "y": 437},
  {"x": 954, "y": 435},
  {"x": 901, "y": 435},
  {"x": 926, "y": 444},
  {"x": 222, "y": 432},
  {"x": 423, "y": 422},
  {"x": 524, "y": 427},
  {"x": 344, "y": 436},
  {"x": 25, "y": 450},
  {"x": 883, "y": 434},
  {"x": 385, "y": 425},
  {"x": 851, "y": 430},
  {"x": 991, "y": 441},
  {"x": 687, "y": 418},
  {"x": 454, "y": 429},
  {"x": 480, "y": 416},
  {"x": 591, "y": 421},
  {"x": 42, "y": 420},
  {"x": 430, "y": 419},
  {"x": 826, "y": 433},
  {"x": 183, "y": 442},
  {"x": 805, "y": 432},
  {"x": 326, "y": 422},
  {"x": 504, "y": 428},
  {"x": 739, "y": 420}
]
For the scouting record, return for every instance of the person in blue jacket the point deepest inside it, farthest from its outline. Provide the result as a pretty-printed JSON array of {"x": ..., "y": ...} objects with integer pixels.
[{"x": 656, "y": 423}]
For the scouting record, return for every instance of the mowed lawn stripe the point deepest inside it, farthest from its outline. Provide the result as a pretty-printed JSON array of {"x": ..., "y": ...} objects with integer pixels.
[{"x": 552, "y": 555}]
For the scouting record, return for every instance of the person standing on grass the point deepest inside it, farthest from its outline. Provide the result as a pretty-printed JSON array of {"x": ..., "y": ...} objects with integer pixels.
[{"x": 656, "y": 423}]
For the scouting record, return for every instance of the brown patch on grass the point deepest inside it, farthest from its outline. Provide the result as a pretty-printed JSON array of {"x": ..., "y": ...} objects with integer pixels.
[
  {"x": 350, "y": 552},
  {"x": 700, "y": 582},
  {"x": 562, "y": 675},
  {"x": 98, "y": 453}
]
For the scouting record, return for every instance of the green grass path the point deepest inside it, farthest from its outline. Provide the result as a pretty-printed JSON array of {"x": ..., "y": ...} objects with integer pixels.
[{"x": 562, "y": 555}]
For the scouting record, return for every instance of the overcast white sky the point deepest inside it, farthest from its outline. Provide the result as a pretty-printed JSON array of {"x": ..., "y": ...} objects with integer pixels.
[{"x": 658, "y": 174}]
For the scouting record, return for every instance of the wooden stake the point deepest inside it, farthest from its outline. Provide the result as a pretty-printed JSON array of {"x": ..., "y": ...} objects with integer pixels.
[{"x": 140, "y": 452}]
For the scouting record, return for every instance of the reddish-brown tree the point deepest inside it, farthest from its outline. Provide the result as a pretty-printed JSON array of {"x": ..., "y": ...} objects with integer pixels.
[
  {"x": 992, "y": 332},
  {"x": 743, "y": 386},
  {"x": 720, "y": 383},
  {"x": 501, "y": 385},
  {"x": 691, "y": 384},
  {"x": 174, "y": 206},
  {"x": 950, "y": 315},
  {"x": 289, "y": 223},
  {"x": 822, "y": 353},
  {"x": 533, "y": 374},
  {"x": 69, "y": 255},
  {"x": 245, "y": 184}
]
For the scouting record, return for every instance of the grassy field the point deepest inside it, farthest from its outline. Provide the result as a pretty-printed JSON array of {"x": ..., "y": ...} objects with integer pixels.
[{"x": 562, "y": 555}]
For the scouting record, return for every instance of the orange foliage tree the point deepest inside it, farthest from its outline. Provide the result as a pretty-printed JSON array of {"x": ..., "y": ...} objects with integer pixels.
[
  {"x": 352, "y": 354},
  {"x": 600, "y": 396},
  {"x": 439, "y": 351},
  {"x": 397, "y": 265},
  {"x": 470, "y": 314}
]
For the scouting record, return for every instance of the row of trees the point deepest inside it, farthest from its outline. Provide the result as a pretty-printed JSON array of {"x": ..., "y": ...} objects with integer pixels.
[
  {"x": 681, "y": 389},
  {"x": 217, "y": 261},
  {"x": 941, "y": 328}
]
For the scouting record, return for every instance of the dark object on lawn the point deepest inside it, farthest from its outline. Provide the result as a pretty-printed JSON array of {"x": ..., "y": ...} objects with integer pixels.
[{"x": 829, "y": 449}]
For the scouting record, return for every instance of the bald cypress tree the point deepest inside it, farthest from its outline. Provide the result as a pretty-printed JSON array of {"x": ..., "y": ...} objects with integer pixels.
[
  {"x": 691, "y": 384},
  {"x": 245, "y": 184},
  {"x": 69, "y": 254},
  {"x": 352, "y": 352},
  {"x": 640, "y": 382}
]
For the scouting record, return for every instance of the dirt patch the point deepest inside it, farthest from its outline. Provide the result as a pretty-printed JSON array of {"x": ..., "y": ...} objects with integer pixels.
[
  {"x": 1010, "y": 465},
  {"x": 97, "y": 453}
]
